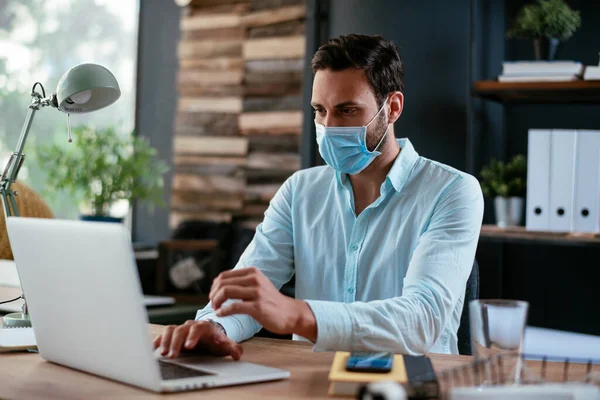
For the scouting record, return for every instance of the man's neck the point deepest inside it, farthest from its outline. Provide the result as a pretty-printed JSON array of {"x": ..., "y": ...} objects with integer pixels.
[{"x": 366, "y": 185}]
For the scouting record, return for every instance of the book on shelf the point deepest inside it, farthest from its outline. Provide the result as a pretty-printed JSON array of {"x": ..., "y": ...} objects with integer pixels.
[
  {"x": 591, "y": 73},
  {"x": 519, "y": 68},
  {"x": 540, "y": 71},
  {"x": 414, "y": 373},
  {"x": 537, "y": 78}
]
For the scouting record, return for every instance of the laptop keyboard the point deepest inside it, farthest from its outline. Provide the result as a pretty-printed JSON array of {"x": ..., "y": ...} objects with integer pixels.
[{"x": 173, "y": 371}]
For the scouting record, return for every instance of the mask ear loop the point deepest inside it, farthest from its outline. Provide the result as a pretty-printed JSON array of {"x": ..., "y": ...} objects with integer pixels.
[{"x": 386, "y": 130}]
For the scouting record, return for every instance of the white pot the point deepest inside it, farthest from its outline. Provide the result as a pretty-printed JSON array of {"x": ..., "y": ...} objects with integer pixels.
[{"x": 509, "y": 211}]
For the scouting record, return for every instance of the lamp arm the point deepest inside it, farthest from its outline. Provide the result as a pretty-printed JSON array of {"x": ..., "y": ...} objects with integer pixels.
[{"x": 16, "y": 159}]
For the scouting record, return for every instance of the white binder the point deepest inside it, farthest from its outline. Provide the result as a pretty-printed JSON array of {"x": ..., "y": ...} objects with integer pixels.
[
  {"x": 537, "y": 216},
  {"x": 586, "y": 203},
  {"x": 562, "y": 172}
]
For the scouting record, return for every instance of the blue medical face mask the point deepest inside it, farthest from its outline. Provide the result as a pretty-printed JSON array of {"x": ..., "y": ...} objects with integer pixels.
[{"x": 344, "y": 148}]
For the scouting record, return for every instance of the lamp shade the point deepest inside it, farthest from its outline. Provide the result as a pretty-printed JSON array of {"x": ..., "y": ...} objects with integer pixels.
[{"x": 85, "y": 88}]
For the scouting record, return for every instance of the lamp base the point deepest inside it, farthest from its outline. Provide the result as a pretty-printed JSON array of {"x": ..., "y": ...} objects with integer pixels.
[{"x": 16, "y": 320}]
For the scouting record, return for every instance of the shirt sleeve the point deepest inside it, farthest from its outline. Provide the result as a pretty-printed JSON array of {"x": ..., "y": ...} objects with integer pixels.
[
  {"x": 272, "y": 251},
  {"x": 435, "y": 281}
]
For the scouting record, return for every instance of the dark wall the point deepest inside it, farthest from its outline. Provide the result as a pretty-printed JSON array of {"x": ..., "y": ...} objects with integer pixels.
[
  {"x": 432, "y": 37},
  {"x": 156, "y": 102}
]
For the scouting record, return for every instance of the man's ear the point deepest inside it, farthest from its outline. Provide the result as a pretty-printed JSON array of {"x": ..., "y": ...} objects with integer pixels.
[{"x": 396, "y": 105}]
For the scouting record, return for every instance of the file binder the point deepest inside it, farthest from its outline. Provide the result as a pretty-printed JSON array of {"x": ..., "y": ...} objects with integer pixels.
[
  {"x": 537, "y": 215},
  {"x": 562, "y": 172},
  {"x": 586, "y": 203}
]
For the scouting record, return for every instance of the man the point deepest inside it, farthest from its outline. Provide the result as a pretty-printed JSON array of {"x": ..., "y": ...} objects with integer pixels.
[{"x": 381, "y": 240}]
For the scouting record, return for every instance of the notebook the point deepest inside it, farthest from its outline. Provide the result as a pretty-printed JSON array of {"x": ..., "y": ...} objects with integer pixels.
[
  {"x": 415, "y": 373},
  {"x": 16, "y": 339}
]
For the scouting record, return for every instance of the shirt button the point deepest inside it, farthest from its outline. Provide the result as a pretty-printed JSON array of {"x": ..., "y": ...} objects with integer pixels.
[
  {"x": 354, "y": 247},
  {"x": 351, "y": 290}
]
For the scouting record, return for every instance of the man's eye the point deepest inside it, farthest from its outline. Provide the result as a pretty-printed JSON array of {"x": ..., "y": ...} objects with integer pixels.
[
  {"x": 319, "y": 111},
  {"x": 348, "y": 111}
]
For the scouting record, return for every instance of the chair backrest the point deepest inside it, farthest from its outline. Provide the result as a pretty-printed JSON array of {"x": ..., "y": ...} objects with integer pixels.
[{"x": 471, "y": 293}]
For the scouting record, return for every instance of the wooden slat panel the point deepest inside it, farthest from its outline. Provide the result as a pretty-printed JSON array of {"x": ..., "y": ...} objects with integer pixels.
[
  {"x": 265, "y": 78},
  {"x": 210, "y": 78},
  {"x": 217, "y": 91},
  {"x": 262, "y": 193},
  {"x": 222, "y": 64},
  {"x": 194, "y": 124},
  {"x": 270, "y": 143},
  {"x": 268, "y": 17},
  {"x": 208, "y": 184},
  {"x": 220, "y": 7},
  {"x": 209, "y": 48},
  {"x": 177, "y": 217},
  {"x": 212, "y": 170},
  {"x": 270, "y": 66},
  {"x": 254, "y": 210},
  {"x": 289, "y": 28},
  {"x": 265, "y": 176},
  {"x": 274, "y": 48},
  {"x": 236, "y": 32},
  {"x": 206, "y": 145},
  {"x": 257, "y": 5},
  {"x": 214, "y": 21},
  {"x": 274, "y": 161},
  {"x": 210, "y": 104},
  {"x": 273, "y": 89},
  {"x": 285, "y": 103},
  {"x": 198, "y": 202},
  {"x": 274, "y": 123},
  {"x": 183, "y": 160}
]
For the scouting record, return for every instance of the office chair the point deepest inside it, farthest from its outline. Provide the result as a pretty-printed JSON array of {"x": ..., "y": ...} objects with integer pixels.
[{"x": 471, "y": 293}]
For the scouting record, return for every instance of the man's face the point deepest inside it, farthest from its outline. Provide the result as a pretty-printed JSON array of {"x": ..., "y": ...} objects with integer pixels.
[{"x": 345, "y": 98}]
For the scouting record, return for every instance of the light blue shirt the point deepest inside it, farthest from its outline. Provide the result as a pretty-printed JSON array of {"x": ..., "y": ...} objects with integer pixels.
[{"x": 392, "y": 278}]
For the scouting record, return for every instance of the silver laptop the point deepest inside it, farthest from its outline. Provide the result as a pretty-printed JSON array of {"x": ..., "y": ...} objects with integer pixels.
[{"x": 86, "y": 305}]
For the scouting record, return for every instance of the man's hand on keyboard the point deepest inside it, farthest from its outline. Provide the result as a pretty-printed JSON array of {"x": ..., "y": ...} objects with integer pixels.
[{"x": 200, "y": 336}]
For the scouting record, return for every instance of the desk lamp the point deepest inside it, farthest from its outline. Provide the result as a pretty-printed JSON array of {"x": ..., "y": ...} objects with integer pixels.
[{"x": 83, "y": 88}]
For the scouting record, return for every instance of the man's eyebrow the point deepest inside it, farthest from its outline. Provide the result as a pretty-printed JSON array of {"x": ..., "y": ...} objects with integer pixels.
[
  {"x": 346, "y": 104},
  {"x": 339, "y": 105}
]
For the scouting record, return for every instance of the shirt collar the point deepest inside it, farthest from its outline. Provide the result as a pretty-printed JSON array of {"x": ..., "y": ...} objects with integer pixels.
[{"x": 400, "y": 169}]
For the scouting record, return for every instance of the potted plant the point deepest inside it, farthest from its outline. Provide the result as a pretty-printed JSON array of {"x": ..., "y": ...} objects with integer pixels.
[
  {"x": 506, "y": 184},
  {"x": 546, "y": 23},
  {"x": 101, "y": 167}
]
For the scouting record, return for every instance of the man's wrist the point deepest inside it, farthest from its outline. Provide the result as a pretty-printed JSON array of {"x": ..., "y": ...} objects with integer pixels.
[
  {"x": 306, "y": 323},
  {"x": 218, "y": 325}
]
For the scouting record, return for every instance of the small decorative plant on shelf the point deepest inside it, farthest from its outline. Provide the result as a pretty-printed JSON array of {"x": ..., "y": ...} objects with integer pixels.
[
  {"x": 507, "y": 185},
  {"x": 546, "y": 23},
  {"x": 102, "y": 167}
]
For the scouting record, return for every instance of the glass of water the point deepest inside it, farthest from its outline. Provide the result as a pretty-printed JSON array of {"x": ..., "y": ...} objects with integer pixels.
[{"x": 498, "y": 329}]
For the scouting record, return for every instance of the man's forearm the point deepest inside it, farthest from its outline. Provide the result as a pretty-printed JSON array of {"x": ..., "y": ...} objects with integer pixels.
[{"x": 306, "y": 324}]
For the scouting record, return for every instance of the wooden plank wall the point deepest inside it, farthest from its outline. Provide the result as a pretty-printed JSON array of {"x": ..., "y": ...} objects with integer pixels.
[{"x": 239, "y": 114}]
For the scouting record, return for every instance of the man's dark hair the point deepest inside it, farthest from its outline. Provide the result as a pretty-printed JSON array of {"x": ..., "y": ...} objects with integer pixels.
[{"x": 379, "y": 58}]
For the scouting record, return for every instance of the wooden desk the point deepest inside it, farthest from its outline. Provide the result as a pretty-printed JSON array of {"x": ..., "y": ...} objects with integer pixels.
[{"x": 27, "y": 376}]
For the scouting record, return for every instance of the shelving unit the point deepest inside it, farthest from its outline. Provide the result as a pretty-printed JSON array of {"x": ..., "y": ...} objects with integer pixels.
[
  {"x": 514, "y": 262},
  {"x": 575, "y": 92},
  {"x": 518, "y": 235}
]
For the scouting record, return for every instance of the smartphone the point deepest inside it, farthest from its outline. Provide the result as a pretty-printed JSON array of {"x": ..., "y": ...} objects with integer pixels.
[{"x": 365, "y": 361}]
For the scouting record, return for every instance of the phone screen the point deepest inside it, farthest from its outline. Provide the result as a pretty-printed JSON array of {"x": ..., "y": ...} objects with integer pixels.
[{"x": 362, "y": 361}]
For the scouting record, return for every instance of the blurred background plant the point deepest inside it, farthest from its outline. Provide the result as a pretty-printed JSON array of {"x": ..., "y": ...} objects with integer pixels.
[
  {"x": 101, "y": 167},
  {"x": 501, "y": 179},
  {"x": 545, "y": 18}
]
